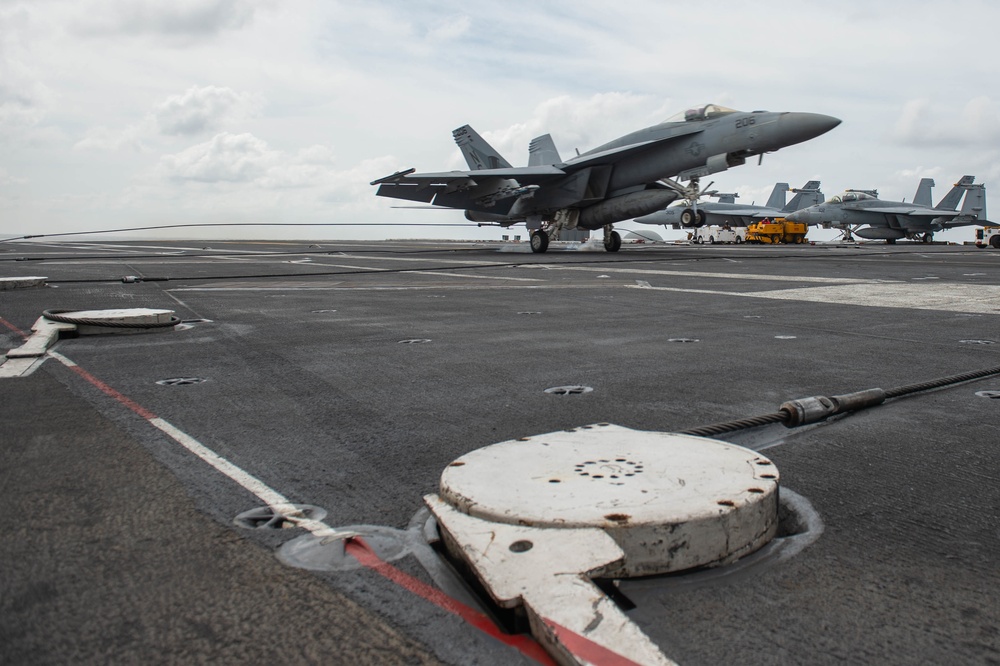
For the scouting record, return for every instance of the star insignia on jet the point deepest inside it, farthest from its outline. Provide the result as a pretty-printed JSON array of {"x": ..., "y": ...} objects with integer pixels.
[{"x": 695, "y": 148}]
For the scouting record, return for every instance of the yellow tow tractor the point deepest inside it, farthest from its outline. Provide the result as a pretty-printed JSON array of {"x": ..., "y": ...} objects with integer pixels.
[{"x": 778, "y": 230}]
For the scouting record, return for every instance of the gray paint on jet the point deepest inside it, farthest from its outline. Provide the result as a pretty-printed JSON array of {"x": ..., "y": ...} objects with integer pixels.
[
  {"x": 864, "y": 214},
  {"x": 619, "y": 180}
]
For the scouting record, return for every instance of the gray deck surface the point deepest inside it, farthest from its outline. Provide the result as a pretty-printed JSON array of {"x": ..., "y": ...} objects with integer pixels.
[{"x": 121, "y": 545}]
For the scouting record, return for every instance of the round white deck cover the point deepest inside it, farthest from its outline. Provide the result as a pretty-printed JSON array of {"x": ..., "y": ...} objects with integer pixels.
[{"x": 651, "y": 491}]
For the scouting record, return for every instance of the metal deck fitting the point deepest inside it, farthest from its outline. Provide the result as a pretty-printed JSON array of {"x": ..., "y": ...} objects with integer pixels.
[{"x": 537, "y": 518}]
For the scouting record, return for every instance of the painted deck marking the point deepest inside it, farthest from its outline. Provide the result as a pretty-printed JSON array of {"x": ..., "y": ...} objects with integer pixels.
[{"x": 353, "y": 545}]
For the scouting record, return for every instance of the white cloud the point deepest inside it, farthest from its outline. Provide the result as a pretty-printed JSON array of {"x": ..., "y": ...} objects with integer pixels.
[
  {"x": 103, "y": 138},
  {"x": 201, "y": 109},
  {"x": 243, "y": 159},
  {"x": 379, "y": 77},
  {"x": 176, "y": 18},
  {"x": 449, "y": 30},
  {"x": 923, "y": 123},
  {"x": 225, "y": 158},
  {"x": 197, "y": 110},
  {"x": 24, "y": 98}
]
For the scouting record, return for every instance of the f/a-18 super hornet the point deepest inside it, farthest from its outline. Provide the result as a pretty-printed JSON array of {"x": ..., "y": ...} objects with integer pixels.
[
  {"x": 727, "y": 211},
  {"x": 861, "y": 212},
  {"x": 634, "y": 175}
]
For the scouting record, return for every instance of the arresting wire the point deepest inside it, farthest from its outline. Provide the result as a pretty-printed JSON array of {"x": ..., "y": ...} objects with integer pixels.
[{"x": 815, "y": 409}]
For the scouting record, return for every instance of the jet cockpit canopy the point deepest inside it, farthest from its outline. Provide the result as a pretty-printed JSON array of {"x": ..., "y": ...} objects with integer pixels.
[
  {"x": 850, "y": 196},
  {"x": 706, "y": 112}
]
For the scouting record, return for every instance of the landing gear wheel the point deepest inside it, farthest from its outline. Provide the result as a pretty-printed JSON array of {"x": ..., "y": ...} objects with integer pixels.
[
  {"x": 928, "y": 237},
  {"x": 539, "y": 241},
  {"x": 700, "y": 217},
  {"x": 688, "y": 218},
  {"x": 613, "y": 242}
]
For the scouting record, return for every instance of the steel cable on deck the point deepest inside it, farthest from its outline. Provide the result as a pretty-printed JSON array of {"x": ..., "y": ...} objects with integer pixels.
[
  {"x": 938, "y": 383},
  {"x": 815, "y": 409}
]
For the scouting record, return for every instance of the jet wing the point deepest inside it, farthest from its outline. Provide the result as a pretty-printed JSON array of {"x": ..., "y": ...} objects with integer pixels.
[
  {"x": 912, "y": 212},
  {"x": 750, "y": 212},
  {"x": 425, "y": 186}
]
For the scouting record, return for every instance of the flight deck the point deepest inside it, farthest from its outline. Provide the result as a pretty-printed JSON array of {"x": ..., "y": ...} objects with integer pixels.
[{"x": 340, "y": 380}]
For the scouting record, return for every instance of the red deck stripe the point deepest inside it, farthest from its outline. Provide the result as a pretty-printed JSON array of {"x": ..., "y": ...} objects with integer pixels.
[
  {"x": 13, "y": 328},
  {"x": 134, "y": 406},
  {"x": 366, "y": 556},
  {"x": 587, "y": 649},
  {"x": 358, "y": 549}
]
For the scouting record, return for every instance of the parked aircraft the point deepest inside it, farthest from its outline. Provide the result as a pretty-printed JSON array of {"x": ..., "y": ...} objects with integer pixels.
[
  {"x": 633, "y": 175},
  {"x": 862, "y": 213},
  {"x": 729, "y": 212}
]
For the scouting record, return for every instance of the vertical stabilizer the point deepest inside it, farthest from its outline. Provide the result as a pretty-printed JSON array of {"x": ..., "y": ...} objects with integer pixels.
[
  {"x": 923, "y": 195},
  {"x": 975, "y": 202},
  {"x": 950, "y": 200},
  {"x": 542, "y": 151},
  {"x": 478, "y": 153},
  {"x": 777, "y": 198},
  {"x": 805, "y": 196}
]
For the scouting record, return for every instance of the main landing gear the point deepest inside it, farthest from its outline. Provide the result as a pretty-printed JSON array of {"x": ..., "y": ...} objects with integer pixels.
[
  {"x": 540, "y": 239},
  {"x": 692, "y": 218},
  {"x": 612, "y": 241}
]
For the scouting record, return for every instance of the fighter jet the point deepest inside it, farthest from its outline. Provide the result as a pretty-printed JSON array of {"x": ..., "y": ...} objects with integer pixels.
[
  {"x": 862, "y": 213},
  {"x": 633, "y": 175},
  {"x": 727, "y": 211}
]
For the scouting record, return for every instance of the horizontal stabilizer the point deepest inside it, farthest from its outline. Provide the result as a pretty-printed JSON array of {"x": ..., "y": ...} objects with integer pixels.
[
  {"x": 410, "y": 192},
  {"x": 393, "y": 177}
]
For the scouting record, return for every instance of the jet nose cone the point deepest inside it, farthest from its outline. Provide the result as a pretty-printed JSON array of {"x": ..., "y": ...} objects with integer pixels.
[
  {"x": 795, "y": 217},
  {"x": 799, "y": 127}
]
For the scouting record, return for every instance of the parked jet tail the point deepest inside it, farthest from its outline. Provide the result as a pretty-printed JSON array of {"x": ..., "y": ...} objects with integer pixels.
[
  {"x": 777, "y": 198},
  {"x": 542, "y": 151},
  {"x": 478, "y": 153},
  {"x": 975, "y": 202},
  {"x": 950, "y": 200},
  {"x": 923, "y": 195},
  {"x": 805, "y": 196}
]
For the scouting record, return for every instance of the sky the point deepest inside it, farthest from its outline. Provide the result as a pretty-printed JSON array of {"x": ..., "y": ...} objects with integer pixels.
[{"x": 131, "y": 113}]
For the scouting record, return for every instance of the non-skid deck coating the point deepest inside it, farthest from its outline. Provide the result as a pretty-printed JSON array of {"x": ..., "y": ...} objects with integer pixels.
[{"x": 308, "y": 390}]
